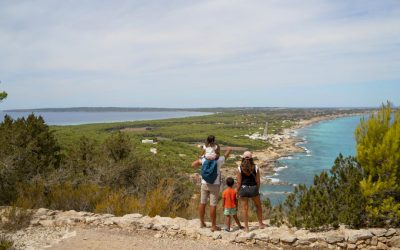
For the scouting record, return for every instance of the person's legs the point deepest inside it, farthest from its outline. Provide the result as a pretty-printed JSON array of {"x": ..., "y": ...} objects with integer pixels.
[
  {"x": 202, "y": 211},
  {"x": 213, "y": 217},
  {"x": 204, "y": 194},
  {"x": 214, "y": 193},
  {"x": 228, "y": 222},
  {"x": 237, "y": 221},
  {"x": 244, "y": 201},
  {"x": 257, "y": 203}
]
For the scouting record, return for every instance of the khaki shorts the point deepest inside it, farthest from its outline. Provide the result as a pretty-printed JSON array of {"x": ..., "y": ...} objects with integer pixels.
[{"x": 209, "y": 191}]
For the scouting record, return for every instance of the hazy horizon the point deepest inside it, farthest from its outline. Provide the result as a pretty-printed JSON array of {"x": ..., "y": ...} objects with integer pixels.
[
  {"x": 194, "y": 54},
  {"x": 188, "y": 108}
]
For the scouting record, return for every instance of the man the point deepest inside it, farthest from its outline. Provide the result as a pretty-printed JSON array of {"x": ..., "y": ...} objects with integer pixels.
[{"x": 210, "y": 191}]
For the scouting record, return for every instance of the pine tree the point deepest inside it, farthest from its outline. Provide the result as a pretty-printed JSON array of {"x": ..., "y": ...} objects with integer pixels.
[
  {"x": 3, "y": 95},
  {"x": 378, "y": 152}
]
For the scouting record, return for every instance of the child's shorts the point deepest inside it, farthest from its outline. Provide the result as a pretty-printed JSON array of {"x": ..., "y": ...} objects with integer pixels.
[{"x": 230, "y": 211}]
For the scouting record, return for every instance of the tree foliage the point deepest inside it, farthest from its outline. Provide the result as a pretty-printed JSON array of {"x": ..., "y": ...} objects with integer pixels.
[
  {"x": 118, "y": 146},
  {"x": 333, "y": 199},
  {"x": 28, "y": 149},
  {"x": 3, "y": 95},
  {"x": 378, "y": 151}
]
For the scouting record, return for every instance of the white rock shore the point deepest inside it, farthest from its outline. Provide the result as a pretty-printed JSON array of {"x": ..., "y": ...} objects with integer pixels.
[{"x": 49, "y": 227}]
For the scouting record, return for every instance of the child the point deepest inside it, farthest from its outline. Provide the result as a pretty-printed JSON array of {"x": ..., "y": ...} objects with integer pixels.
[
  {"x": 230, "y": 204},
  {"x": 210, "y": 150},
  {"x": 210, "y": 155}
]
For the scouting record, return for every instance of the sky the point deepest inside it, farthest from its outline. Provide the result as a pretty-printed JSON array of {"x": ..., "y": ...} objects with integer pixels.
[{"x": 217, "y": 53}]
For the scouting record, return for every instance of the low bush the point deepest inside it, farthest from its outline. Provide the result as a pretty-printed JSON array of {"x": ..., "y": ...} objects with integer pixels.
[
  {"x": 6, "y": 243},
  {"x": 118, "y": 203},
  {"x": 14, "y": 219}
]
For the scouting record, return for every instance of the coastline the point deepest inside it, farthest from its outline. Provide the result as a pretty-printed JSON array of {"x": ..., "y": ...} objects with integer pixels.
[{"x": 284, "y": 144}]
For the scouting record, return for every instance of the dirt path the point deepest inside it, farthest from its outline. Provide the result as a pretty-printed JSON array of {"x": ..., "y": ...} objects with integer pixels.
[{"x": 108, "y": 239}]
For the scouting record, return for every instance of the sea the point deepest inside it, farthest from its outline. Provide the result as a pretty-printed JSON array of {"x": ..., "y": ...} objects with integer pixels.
[
  {"x": 77, "y": 118},
  {"x": 323, "y": 142}
]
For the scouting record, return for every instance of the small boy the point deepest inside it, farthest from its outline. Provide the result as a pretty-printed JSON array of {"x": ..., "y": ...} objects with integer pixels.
[{"x": 230, "y": 204}]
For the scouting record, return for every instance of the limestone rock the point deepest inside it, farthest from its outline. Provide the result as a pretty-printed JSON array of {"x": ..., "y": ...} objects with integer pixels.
[
  {"x": 230, "y": 237},
  {"x": 374, "y": 241},
  {"x": 381, "y": 246},
  {"x": 289, "y": 239},
  {"x": 390, "y": 232},
  {"x": 351, "y": 246},
  {"x": 334, "y": 238},
  {"x": 217, "y": 235},
  {"x": 394, "y": 241},
  {"x": 47, "y": 223},
  {"x": 41, "y": 211},
  {"x": 356, "y": 235},
  {"x": 379, "y": 232},
  {"x": 243, "y": 237},
  {"x": 262, "y": 237}
]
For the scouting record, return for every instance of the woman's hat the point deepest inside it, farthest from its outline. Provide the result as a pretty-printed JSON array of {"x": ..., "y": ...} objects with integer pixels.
[{"x": 247, "y": 155}]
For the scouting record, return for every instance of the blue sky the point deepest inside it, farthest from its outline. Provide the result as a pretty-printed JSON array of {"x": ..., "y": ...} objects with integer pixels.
[{"x": 199, "y": 53}]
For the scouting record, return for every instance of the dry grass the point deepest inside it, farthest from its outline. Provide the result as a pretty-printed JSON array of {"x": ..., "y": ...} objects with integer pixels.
[
  {"x": 6, "y": 243},
  {"x": 14, "y": 219}
]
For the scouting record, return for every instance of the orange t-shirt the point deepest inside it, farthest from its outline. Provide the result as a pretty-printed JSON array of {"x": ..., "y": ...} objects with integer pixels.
[{"x": 229, "y": 195}]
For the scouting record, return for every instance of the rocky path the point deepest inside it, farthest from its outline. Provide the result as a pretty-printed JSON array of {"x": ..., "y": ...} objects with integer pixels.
[
  {"x": 106, "y": 239},
  {"x": 51, "y": 229}
]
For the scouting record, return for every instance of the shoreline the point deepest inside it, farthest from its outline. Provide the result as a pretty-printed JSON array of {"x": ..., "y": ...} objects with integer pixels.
[{"x": 284, "y": 144}]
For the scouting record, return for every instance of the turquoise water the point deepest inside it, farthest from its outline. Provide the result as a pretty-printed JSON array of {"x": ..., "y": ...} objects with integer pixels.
[
  {"x": 75, "y": 118},
  {"x": 323, "y": 142}
]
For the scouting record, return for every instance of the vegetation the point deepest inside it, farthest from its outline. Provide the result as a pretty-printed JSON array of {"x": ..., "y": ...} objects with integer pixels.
[
  {"x": 105, "y": 167},
  {"x": 378, "y": 151},
  {"x": 5, "y": 243},
  {"x": 3, "y": 95},
  {"x": 15, "y": 219},
  {"x": 333, "y": 199}
]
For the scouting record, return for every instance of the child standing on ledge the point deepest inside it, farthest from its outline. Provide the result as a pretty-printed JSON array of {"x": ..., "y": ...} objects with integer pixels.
[{"x": 230, "y": 204}]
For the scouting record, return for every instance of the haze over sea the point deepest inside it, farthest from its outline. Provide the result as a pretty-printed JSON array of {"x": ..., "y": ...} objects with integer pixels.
[
  {"x": 75, "y": 118},
  {"x": 323, "y": 142}
]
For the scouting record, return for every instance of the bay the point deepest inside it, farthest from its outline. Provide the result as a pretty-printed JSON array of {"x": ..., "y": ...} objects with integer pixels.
[
  {"x": 76, "y": 118},
  {"x": 323, "y": 142}
]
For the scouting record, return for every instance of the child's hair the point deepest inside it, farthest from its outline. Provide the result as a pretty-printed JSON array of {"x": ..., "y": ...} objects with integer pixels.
[
  {"x": 230, "y": 181},
  {"x": 210, "y": 141}
]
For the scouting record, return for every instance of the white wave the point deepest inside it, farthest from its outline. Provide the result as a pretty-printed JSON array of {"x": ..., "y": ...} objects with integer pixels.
[
  {"x": 280, "y": 168},
  {"x": 276, "y": 192},
  {"x": 286, "y": 158},
  {"x": 274, "y": 180}
]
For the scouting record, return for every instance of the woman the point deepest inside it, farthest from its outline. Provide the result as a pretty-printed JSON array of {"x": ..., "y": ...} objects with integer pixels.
[{"x": 248, "y": 186}]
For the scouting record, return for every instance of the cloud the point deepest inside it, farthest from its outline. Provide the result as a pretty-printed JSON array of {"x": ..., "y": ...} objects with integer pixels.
[{"x": 126, "y": 46}]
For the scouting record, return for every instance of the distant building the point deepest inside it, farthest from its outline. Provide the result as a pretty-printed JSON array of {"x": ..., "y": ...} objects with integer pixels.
[{"x": 147, "y": 141}]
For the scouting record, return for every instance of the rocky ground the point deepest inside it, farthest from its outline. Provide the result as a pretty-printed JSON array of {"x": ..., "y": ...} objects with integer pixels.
[{"x": 84, "y": 230}]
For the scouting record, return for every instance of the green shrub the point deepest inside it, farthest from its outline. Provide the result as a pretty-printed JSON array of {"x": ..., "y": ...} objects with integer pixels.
[
  {"x": 332, "y": 200},
  {"x": 28, "y": 149},
  {"x": 6, "y": 243},
  {"x": 118, "y": 146}
]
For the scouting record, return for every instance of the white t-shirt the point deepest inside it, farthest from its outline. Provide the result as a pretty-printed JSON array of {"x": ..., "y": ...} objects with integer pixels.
[
  {"x": 220, "y": 162},
  {"x": 210, "y": 152}
]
